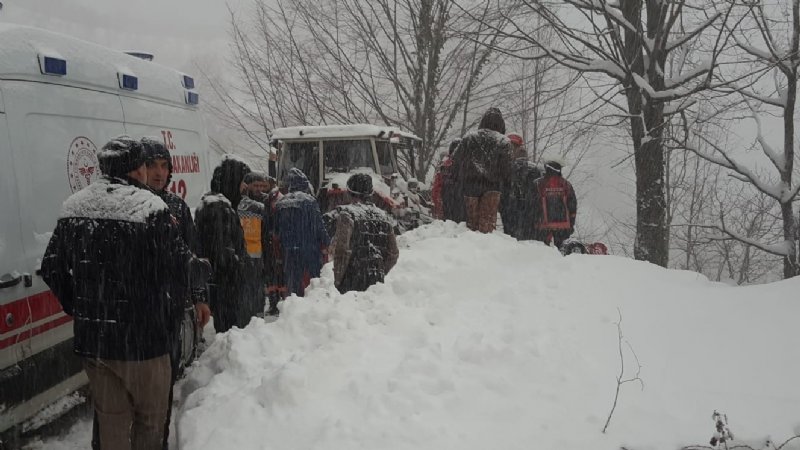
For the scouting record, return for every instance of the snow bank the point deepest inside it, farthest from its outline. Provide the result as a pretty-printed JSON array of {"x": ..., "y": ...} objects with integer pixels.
[{"x": 477, "y": 341}]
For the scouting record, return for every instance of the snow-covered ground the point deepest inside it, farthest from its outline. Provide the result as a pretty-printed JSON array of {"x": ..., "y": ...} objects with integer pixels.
[{"x": 481, "y": 342}]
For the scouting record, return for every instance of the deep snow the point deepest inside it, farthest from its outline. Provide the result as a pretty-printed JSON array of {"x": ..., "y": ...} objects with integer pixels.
[{"x": 481, "y": 342}]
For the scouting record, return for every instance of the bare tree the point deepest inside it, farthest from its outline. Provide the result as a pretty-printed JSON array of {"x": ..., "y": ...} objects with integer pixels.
[
  {"x": 399, "y": 63},
  {"x": 772, "y": 44},
  {"x": 629, "y": 41}
]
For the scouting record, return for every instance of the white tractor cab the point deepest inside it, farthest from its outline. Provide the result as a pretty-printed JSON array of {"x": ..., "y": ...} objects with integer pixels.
[
  {"x": 61, "y": 99},
  {"x": 329, "y": 154}
]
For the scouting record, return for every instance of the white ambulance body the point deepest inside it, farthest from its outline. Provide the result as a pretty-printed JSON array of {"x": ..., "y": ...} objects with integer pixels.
[{"x": 61, "y": 99}]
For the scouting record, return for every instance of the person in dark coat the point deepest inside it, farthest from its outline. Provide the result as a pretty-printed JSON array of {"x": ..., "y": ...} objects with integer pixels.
[
  {"x": 276, "y": 284},
  {"x": 556, "y": 205},
  {"x": 302, "y": 234},
  {"x": 159, "y": 174},
  {"x": 221, "y": 240},
  {"x": 443, "y": 193},
  {"x": 251, "y": 214},
  {"x": 518, "y": 200},
  {"x": 112, "y": 260},
  {"x": 365, "y": 247},
  {"x": 481, "y": 167}
]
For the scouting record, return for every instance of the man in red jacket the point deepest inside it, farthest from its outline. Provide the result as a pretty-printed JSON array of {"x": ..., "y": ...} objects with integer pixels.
[{"x": 556, "y": 205}]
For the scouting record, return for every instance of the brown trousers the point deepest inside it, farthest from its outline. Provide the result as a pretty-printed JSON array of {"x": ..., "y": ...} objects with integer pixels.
[
  {"x": 130, "y": 399},
  {"x": 482, "y": 211}
]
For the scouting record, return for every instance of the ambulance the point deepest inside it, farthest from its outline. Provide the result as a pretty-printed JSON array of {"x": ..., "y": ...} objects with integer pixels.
[{"x": 61, "y": 99}]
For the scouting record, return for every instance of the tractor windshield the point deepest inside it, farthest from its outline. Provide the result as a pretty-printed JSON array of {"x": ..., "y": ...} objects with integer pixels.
[{"x": 346, "y": 155}]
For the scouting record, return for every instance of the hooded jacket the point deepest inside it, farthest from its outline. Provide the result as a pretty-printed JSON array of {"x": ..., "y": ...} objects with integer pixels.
[
  {"x": 298, "y": 217},
  {"x": 482, "y": 161},
  {"x": 518, "y": 203},
  {"x": 365, "y": 247},
  {"x": 221, "y": 240},
  {"x": 113, "y": 252}
]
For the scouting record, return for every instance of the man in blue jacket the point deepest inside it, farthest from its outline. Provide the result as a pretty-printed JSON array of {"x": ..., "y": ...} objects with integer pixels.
[{"x": 303, "y": 238}]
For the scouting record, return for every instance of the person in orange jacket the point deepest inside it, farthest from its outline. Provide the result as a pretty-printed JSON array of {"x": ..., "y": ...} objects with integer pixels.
[{"x": 556, "y": 205}]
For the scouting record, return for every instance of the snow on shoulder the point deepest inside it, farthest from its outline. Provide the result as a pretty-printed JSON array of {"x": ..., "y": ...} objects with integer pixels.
[
  {"x": 479, "y": 341},
  {"x": 105, "y": 200}
]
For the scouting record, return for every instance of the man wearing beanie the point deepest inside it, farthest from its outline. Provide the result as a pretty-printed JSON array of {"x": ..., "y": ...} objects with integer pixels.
[
  {"x": 221, "y": 240},
  {"x": 481, "y": 166},
  {"x": 364, "y": 246},
  {"x": 110, "y": 262},
  {"x": 159, "y": 173}
]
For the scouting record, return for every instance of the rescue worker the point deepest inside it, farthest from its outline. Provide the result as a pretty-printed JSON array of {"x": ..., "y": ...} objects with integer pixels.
[
  {"x": 482, "y": 165},
  {"x": 302, "y": 234},
  {"x": 112, "y": 260},
  {"x": 251, "y": 215},
  {"x": 556, "y": 205},
  {"x": 221, "y": 240},
  {"x": 364, "y": 248}
]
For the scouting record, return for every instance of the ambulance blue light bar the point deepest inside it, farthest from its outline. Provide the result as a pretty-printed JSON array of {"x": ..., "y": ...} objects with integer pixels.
[
  {"x": 50, "y": 65},
  {"x": 128, "y": 82},
  {"x": 192, "y": 98},
  {"x": 188, "y": 82}
]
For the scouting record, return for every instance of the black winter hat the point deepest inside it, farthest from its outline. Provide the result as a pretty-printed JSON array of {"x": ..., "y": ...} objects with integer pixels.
[
  {"x": 552, "y": 167},
  {"x": 227, "y": 178},
  {"x": 453, "y": 146},
  {"x": 360, "y": 184},
  {"x": 493, "y": 120},
  {"x": 120, "y": 156},
  {"x": 154, "y": 149},
  {"x": 254, "y": 176}
]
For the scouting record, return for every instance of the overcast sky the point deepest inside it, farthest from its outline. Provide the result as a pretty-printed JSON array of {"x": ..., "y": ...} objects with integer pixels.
[{"x": 178, "y": 32}]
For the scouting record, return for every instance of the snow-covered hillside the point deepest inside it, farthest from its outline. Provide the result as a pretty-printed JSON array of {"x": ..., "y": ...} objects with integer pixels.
[{"x": 481, "y": 342}]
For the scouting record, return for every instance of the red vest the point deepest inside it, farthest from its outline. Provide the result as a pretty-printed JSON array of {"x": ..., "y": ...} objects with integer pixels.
[{"x": 553, "y": 192}]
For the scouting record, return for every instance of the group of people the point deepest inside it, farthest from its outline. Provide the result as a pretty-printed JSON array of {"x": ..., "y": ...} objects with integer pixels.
[
  {"x": 487, "y": 172},
  {"x": 127, "y": 261}
]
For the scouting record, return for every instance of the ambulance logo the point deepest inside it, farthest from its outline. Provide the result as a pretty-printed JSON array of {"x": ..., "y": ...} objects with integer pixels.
[{"x": 82, "y": 163}]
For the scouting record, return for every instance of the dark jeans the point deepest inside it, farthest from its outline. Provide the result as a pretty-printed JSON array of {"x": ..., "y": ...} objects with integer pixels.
[{"x": 296, "y": 263}]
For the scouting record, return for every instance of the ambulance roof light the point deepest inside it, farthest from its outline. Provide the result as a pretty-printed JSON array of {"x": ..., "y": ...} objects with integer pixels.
[
  {"x": 50, "y": 65},
  {"x": 192, "y": 98},
  {"x": 188, "y": 82},
  {"x": 141, "y": 55},
  {"x": 128, "y": 82}
]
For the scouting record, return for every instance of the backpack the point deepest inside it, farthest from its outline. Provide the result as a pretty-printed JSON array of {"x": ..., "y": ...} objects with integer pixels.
[{"x": 553, "y": 196}]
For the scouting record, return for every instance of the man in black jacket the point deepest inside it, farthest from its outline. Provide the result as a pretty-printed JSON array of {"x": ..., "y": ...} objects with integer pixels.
[
  {"x": 221, "y": 240},
  {"x": 110, "y": 262},
  {"x": 159, "y": 174}
]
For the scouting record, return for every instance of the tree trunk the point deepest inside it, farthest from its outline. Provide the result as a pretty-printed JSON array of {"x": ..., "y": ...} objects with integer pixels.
[
  {"x": 646, "y": 117},
  {"x": 652, "y": 239},
  {"x": 790, "y": 266}
]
